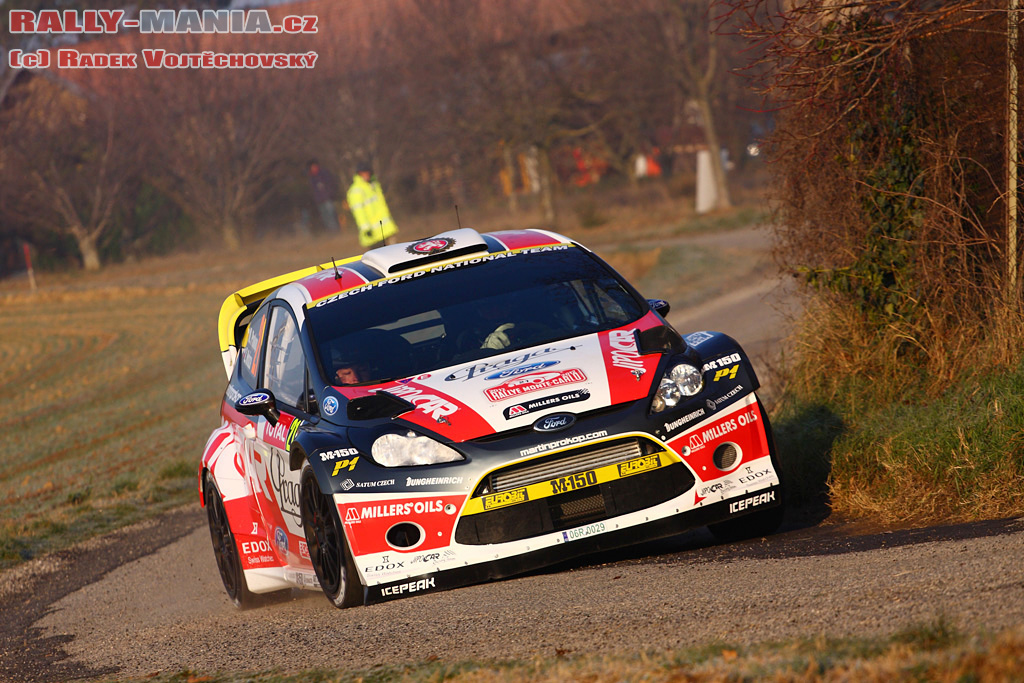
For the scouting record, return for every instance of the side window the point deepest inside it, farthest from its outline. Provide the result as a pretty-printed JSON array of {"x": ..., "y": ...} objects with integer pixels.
[
  {"x": 249, "y": 357},
  {"x": 285, "y": 367}
]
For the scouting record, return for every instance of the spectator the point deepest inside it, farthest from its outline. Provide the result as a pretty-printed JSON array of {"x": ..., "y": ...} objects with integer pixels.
[
  {"x": 366, "y": 201},
  {"x": 325, "y": 194}
]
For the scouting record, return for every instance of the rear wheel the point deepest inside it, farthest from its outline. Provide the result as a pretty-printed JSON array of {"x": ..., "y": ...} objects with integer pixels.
[
  {"x": 328, "y": 552},
  {"x": 224, "y": 547}
]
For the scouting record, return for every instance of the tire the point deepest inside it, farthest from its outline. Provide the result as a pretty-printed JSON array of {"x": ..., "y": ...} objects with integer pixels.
[
  {"x": 328, "y": 549},
  {"x": 225, "y": 550}
]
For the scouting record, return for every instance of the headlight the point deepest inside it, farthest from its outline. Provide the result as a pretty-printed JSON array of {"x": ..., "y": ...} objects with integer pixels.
[
  {"x": 402, "y": 450},
  {"x": 682, "y": 381}
]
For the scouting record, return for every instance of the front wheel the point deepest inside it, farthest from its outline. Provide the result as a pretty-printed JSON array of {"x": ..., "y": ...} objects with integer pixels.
[
  {"x": 328, "y": 552},
  {"x": 224, "y": 548}
]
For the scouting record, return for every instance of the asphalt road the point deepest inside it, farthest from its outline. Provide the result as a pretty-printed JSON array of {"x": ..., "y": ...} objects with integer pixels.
[{"x": 149, "y": 599}]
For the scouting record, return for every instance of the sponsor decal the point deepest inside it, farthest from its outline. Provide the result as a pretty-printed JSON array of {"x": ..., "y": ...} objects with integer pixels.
[
  {"x": 281, "y": 539},
  {"x": 751, "y": 476},
  {"x": 330, "y": 405},
  {"x": 254, "y": 398},
  {"x": 753, "y": 501},
  {"x": 427, "y": 558},
  {"x": 698, "y": 440},
  {"x": 254, "y": 547},
  {"x": 434, "y": 406},
  {"x": 650, "y": 462},
  {"x": 583, "y": 531},
  {"x": 535, "y": 382},
  {"x": 624, "y": 352},
  {"x": 721, "y": 362},
  {"x": 697, "y": 338},
  {"x": 573, "y": 482},
  {"x": 385, "y": 566},
  {"x": 434, "y": 245},
  {"x": 432, "y": 481},
  {"x": 337, "y": 453},
  {"x": 714, "y": 403},
  {"x": 481, "y": 368},
  {"x": 303, "y": 550},
  {"x": 554, "y": 423},
  {"x": 293, "y": 430},
  {"x": 689, "y": 417},
  {"x": 418, "y": 507},
  {"x": 351, "y": 516},
  {"x": 285, "y": 485},
  {"x": 727, "y": 373},
  {"x": 568, "y": 441},
  {"x": 342, "y": 465},
  {"x": 717, "y": 487},
  {"x": 499, "y": 500},
  {"x": 232, "y": 394},
  {"x": 411, "y": 587},
  {"x": 521, "y": 370},
  {"x": 348, "y": 484},
  {"x": 533, "y": 406}
]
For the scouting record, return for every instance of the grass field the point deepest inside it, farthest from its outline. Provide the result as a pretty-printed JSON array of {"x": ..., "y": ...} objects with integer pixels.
[
  {"x": 923, "y": 652},
  {"x": 112, "y": 381}
]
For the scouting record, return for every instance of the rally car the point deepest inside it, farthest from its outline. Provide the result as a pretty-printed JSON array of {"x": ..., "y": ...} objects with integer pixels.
[{"x": 468, "y": 407}]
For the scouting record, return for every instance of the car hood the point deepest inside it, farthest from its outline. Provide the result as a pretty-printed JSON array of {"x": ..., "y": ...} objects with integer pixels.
[{"x": 515, "y": 389}]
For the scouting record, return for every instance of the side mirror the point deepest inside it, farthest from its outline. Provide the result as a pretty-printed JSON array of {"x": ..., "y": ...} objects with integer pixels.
[
  {"x": 659, "y": 306},
  {"x": 259, "y": 403}
]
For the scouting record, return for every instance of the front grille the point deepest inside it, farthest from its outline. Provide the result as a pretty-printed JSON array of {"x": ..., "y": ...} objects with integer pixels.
[
  {"x": 587, "y": 505},
  {"x": 562, "y": 466},
  {"x": 574, "y": 508}
]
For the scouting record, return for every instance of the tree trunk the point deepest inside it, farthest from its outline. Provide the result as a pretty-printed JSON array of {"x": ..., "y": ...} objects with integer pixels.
[
  {"x": 88, "y": 251},
  {"x": 547, "y": 189},
  {"x": 711, "y": 135},
  {"x": 229, "y": 231},
  {"x": 510, "y": 171}
]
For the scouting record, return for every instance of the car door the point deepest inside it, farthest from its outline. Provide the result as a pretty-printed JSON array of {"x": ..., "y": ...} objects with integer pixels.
[{"x": 276, "y": 485}]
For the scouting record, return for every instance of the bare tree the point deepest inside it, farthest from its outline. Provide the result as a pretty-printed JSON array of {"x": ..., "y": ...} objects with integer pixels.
[
  {"x": 68, "y": 162},
  {"x": 214, "y": 139}
]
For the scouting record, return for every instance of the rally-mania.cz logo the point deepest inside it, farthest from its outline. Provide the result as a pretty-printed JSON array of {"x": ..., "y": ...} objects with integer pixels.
[{"x": 151, "y": 21}]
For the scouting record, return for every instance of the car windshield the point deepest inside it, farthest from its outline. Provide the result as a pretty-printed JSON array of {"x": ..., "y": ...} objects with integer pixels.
[{"x": 466, "y": 312}]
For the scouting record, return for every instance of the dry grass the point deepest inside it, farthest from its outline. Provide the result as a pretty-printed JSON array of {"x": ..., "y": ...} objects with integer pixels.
[{"x": 930, "y": 652}]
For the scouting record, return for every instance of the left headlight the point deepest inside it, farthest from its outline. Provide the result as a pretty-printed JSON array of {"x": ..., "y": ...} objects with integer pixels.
[
  {"x": 402, "y": 450},
  {"x": 680, "y": 382}
]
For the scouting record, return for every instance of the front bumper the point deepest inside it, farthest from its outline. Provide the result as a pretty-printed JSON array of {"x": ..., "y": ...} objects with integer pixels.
[{"x": 566, "y": 502}]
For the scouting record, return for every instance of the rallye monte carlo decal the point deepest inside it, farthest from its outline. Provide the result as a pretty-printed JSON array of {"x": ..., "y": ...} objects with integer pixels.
[{"x": 419, "y": 418}]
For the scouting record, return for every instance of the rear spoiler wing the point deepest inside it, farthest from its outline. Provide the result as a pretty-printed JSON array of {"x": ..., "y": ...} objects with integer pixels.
[{"x": 235, "y": 310}]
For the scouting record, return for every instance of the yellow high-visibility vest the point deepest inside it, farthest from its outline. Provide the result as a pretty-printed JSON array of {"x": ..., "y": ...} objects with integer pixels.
[{"x": 370, "y": 211}]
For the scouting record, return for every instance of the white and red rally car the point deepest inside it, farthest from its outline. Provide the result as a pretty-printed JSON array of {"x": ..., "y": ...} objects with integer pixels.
[{"x": 468, "y": 407}]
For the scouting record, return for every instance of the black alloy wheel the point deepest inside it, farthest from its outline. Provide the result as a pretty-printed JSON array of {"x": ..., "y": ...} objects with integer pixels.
[
  {"x": 328, "y": 552},
  {"x": 224, "y": 548}
]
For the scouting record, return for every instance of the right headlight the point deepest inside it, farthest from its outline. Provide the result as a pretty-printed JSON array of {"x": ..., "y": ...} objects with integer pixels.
[
  {"x": 404, "y": 450},
  {"x": 682, "y": 381}
]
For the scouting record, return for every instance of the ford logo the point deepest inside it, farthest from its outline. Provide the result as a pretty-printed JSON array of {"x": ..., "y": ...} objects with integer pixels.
[
  {"x": 554, "y": 423},
  {"x": 254, "y": 398}
]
